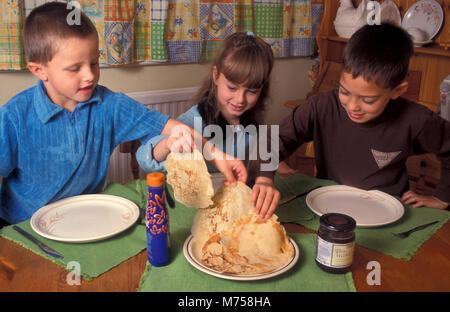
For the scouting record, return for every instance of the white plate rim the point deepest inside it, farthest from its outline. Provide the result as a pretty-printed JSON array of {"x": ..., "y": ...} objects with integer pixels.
[
  {"x": 347, "y": 188},
  {"x": 34, "y": 221},
  {"x": 411, "y": 8},
  {"x": 421, "y": 43},
  {"x": 198, "y": 265}
]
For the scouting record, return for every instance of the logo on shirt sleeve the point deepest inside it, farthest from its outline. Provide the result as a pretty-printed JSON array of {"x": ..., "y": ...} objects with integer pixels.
[{"x": 383, "y": 159}]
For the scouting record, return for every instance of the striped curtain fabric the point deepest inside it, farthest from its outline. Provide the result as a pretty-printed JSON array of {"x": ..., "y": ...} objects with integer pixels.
[
  {"x": 174, "y": 31},
  {"x": 11, "y": 45}
]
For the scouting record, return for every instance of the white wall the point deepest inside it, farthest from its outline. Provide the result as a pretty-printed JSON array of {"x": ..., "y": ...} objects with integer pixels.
[{"x": 289, "y": 81}]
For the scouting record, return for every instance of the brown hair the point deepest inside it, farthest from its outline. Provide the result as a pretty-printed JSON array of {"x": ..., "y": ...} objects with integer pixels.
[
  {"x": 379, "y": 52},
  {"x": 243, "y": 58},
  {"x": 46, "y": 25}
]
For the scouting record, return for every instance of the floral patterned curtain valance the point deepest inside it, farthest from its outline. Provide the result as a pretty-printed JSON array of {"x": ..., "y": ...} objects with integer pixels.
[{"x": 174, "y": 31}]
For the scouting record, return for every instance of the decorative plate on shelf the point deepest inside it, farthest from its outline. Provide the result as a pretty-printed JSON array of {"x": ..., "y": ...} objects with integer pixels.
[
  {"x": 426, "y": 15},
  {"x": 390, "y": 13},
  {"x": 422, "y": 43}
]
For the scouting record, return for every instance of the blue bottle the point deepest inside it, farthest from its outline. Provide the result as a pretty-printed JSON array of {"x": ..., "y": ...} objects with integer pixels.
[{"x": 157, "y": 221}]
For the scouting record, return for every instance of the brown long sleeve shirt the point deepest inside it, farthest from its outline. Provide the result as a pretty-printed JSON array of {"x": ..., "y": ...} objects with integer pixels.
[{"x": 371, "y": 155}]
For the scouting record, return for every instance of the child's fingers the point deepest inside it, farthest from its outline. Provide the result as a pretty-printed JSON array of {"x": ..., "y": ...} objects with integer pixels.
[
  {"x": 189, "y": 140},
  {"x": 181, "y": 142},
  {"x": 273, "y": 205},
  {"x": 265, "y": 198},
  {"x": 422, "y": 200},
  {"x": 260, "y": 209},
  {"x": 255, "y": 193},
  {"x": 416, "y": 200},
  {"x": 186, "y": 146},
  {"x": 238, "y": 170},
  {"x": 184, "y": 138},
  {"x": 270, "y": 203},
  {"x": 265, "y": 206},
  {"x": 175, "y": 147},
  {"x": 407, "y": 195},
  {"x": 230, "y": 176},
  {"x": 410, "y": 201}
]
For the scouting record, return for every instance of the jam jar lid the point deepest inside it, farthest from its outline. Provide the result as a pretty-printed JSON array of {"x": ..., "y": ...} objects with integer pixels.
[{"x": 338, "y": 222}]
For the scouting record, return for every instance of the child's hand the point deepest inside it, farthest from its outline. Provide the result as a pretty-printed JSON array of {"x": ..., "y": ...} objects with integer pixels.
[
  {"x": 265, "y": 197},
  {"x": 423, "y": 200},
  {"x": 233, "y": 169},
  {"x": 180, "y": 140}
]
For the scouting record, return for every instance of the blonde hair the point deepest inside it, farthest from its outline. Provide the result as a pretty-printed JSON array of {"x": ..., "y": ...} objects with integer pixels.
[{"x": 245, "y": 59}]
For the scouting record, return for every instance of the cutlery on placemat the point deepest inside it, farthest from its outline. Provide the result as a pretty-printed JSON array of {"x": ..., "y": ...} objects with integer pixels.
[
  {"x": 41, "y": 245},
  {"x": 288, "y": 199},
  {"x": 417, "y": 228}
]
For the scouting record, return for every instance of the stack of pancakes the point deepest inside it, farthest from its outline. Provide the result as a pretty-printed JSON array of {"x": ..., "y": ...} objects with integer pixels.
[{"x": 228, "y": 235}]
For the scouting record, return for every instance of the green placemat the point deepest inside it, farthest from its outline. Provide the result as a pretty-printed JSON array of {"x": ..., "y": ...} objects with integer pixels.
[
  {"x": 181, "y": 276},
  {"x": 376, "y": 238},
  {"x": 97, "y": 257},
  {"x": 136, "y": 191}
]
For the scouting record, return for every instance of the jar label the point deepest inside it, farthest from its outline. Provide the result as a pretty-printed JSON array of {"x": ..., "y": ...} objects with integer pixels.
[{"x": 334, "y": 255}]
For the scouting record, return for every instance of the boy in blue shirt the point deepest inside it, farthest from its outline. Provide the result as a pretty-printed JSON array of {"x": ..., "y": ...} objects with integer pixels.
[{"x": 56, "y": 137}]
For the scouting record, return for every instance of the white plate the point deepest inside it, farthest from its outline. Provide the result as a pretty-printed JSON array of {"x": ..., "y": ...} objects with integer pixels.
[
  {"x": 191, "y": 258},
  {"x": 426, "y": 15},
  {"x": 368, "y": 208},
  {"x": 85, "y": 218},
  {"x": 421, "y": 43}
]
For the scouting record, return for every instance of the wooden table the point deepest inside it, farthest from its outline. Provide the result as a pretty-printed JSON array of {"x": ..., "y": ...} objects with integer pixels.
[{"x": 429, "y": 269}]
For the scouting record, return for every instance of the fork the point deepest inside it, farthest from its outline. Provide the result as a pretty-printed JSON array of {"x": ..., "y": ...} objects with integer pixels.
[{"x": 417, "y": 228}]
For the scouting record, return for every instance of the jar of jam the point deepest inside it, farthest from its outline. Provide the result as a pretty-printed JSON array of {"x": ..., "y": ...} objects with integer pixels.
[{"x": 335, "y": 242}]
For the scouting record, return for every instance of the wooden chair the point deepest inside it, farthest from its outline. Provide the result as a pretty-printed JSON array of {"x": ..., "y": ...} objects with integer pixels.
[
  {"x": 424, "y": 172},
  {"x": 131, "y": 148}
]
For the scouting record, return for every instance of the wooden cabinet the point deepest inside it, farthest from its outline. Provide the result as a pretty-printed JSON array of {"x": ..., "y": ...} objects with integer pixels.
[{"x": 428, "y": 67}]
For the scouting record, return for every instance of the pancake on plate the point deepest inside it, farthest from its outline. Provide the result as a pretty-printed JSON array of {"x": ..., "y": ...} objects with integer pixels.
[{"x": 231, "y": 238}]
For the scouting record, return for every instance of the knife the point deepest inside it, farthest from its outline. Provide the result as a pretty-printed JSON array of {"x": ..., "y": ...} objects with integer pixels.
[
  {"x": 41, "y": 245},
  {"x": 288, "y": 199}
]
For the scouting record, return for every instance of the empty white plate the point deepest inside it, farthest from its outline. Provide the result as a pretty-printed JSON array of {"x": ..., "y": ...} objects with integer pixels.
[
  {"x": 368, "y": 208},
  {"x": 85, "y": 218},
  {"x": 196, "y": 263}
]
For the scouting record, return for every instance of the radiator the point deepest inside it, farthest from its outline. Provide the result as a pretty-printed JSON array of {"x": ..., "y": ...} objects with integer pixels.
[{"x": 171, "y": 102}]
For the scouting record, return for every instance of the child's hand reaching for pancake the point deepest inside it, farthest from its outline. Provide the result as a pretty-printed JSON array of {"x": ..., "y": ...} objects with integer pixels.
[
  {"x": 265, "y": 197},
  {"x": 180, "y": 140}
]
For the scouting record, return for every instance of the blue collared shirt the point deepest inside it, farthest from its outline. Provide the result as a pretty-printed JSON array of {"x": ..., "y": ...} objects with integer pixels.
[{"x": 48, "y": 153}]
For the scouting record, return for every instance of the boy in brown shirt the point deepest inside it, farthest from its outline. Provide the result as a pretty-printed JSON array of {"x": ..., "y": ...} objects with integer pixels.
[{"x": 364, "y": 131}]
